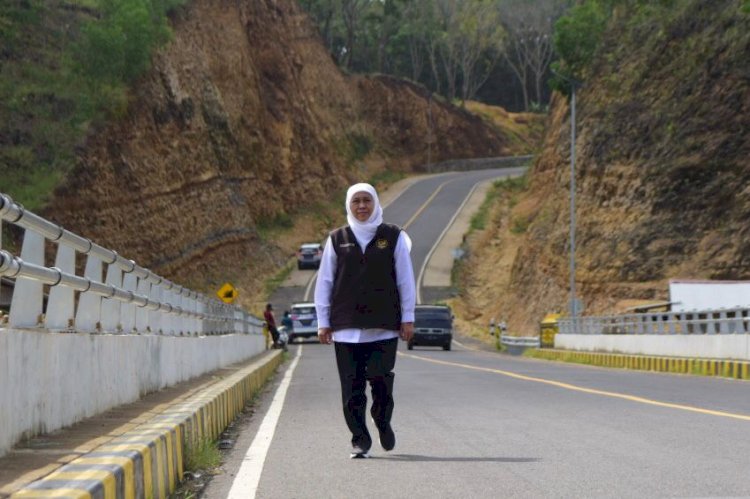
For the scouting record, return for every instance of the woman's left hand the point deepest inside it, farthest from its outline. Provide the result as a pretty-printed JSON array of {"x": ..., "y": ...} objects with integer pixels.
[{"x": 407, "y": 331}]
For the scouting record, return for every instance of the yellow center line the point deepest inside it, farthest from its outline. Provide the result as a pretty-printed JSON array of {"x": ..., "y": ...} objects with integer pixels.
[
  {"x": 567, "y": 386},
  {"x": 424, "y": 205}
]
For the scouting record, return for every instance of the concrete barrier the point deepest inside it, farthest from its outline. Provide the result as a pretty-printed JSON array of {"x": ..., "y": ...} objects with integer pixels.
[
  {"x": 50, "y": 380},
  {"x": 702, "y": 346},
  {"x": 706, "y": 367},
  {"x": 148, "y": 461}
]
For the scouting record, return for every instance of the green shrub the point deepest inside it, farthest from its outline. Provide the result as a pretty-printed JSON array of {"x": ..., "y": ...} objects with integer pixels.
[
  {"x": 520, "y": 225},
  {"x": 117, "y": 48},
  {"x": 64, "y": 72},
  {"x": 202, "y": 455}
]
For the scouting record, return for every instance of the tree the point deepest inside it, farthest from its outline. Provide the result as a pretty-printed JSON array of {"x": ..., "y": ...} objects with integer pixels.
[
  {"x": 352, "y": 12},
  {"x": 417, "y": 22},
  {"x": 577, "y": 36},
  {"x": 529, "y": 50},
  {"x": 465, "y": 43},
  {"x": 325, "y": 12},
  {"x": 479, "y": 35}
]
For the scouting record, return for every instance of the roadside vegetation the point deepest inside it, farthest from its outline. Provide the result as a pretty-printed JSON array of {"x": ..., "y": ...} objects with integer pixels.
[
  {"x": 458, "y": 50},
  {"x": 202, "y": 455},
  {"x": 66, "y": 67},
  {"x": 490, "y": 242}
]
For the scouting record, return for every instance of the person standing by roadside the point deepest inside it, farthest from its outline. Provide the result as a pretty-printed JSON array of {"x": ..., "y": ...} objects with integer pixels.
[
  {"x": 271, "y": 323},
  {"x": 286, "y": 321},
  {"x": 364, "y": 299}
]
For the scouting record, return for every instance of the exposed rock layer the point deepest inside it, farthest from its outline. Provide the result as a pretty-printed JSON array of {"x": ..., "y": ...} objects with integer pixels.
[{"x": 243, "y": 119}]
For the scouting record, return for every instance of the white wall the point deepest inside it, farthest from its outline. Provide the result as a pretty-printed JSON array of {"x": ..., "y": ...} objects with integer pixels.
[
  {"x": 52, "y": 380},
  {"x": 715, "y": 346},
  {"x": 708, "y": 295}
]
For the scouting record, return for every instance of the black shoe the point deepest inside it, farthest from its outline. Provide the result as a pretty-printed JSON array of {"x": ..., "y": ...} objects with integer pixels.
[
  {"x": 359, "y": 452},
  {"x": 387, "y": 437}
]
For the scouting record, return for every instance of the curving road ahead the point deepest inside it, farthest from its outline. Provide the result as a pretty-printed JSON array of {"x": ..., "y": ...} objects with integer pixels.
[
  {"x": 424, "y": 209},
  {"x": 478, "y": 424}
]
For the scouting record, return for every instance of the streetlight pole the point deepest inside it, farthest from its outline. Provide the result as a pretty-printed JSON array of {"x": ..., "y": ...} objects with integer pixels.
[{"x": 573, "y": 301}]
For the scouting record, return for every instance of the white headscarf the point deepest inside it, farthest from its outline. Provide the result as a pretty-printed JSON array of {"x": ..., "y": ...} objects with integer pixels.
[{"x": 365, "y": 231}]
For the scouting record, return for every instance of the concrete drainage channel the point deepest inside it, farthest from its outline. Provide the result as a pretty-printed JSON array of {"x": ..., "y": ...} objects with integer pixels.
[{"x": 148, "y": 461}]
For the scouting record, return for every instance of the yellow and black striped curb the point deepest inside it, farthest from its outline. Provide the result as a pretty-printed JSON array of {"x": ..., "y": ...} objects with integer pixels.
[
  {"x": 147, "y": 462},
  {"x": 737, "y": 369}
]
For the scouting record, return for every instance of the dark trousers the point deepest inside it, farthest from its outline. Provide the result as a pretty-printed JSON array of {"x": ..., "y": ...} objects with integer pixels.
[
  {"x": 274, "y": 334},
  {"x": 359, "y": 363}
]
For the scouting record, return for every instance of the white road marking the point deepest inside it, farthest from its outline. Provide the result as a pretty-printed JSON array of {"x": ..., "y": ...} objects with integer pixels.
[
  {"x": 245, "y": 484},
  {"x": 309, "y": 286}
]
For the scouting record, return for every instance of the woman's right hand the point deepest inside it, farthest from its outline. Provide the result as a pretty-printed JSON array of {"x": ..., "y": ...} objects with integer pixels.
[{"x": 325, "y": 335}]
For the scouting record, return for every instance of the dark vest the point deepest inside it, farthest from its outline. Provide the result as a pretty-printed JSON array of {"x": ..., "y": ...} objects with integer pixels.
[{"x": 365, "y": 294}]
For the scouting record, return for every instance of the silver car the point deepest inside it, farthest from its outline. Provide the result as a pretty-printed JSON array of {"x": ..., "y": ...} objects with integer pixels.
[
  {"x": 309, "y": 255},
  {"x": 304, "y": 321}
]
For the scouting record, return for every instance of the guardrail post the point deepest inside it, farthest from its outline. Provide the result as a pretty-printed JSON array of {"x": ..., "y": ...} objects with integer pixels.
[
  {"x": 89, "y": 304},
  {"x": 710, "y": 324},
  {"x": 61, "y": 302},
  {"x": 155, "y": 316},
  {"x": 723, "y": 322},
  {"x": 738, "y": 325},
  {"x": 128, "y": 310},
  {"x": 142, "y": 313},
  {"x": 111, "y": 307},
  {"x": 639, "y": 325},
  {"x": 170, "y": 323},
  {"x": 189, "y": 303},
  {"x": 26, "y": 304}
]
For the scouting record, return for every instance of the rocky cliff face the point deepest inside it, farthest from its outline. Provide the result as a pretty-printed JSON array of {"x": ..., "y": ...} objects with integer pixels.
[
  {"x": 663, "y": 169},
  {"x": 243, "y": 119}
]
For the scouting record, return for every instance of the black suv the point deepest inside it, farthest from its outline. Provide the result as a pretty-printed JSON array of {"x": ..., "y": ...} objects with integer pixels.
[{"x": 433, "y": 326}]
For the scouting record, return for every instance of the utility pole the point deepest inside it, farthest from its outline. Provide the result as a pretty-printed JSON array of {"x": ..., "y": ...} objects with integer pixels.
[{"x": 575, "y": 308}]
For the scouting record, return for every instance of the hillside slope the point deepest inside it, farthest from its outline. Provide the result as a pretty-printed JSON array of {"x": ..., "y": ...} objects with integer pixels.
[
  {"x": 663, "y": 169},
  {"x": 245, "y": 121}
]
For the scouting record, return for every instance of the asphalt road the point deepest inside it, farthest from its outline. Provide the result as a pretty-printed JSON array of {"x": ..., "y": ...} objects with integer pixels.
[{"x": 479, "y": 424}]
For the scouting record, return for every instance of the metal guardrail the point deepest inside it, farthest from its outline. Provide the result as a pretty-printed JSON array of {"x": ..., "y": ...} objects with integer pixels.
[
  {"x": 479, "y": 163},
  {"x": 520, "y": 341},
  {"x": 722, "y": 321},
  {"x": 131, "y": 299}
]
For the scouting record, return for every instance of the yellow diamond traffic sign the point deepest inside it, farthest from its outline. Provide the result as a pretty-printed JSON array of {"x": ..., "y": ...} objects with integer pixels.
[{"x": 227, "y": 293}]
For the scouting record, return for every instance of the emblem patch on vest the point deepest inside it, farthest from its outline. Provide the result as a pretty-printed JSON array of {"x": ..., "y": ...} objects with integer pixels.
[{"x": 381, "y": 243}]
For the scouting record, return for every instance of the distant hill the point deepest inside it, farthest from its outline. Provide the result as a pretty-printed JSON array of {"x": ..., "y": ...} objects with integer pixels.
[{"x": 663, "y": 169}]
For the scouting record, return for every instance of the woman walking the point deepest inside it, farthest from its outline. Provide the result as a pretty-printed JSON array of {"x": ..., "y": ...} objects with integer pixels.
[{"x": 364, "y": 298}]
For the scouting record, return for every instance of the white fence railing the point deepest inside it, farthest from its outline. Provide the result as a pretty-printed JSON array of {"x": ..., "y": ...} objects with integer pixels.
[
  {"x": 130, "y": 299},
  {"x": 723, "y": 321}
]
